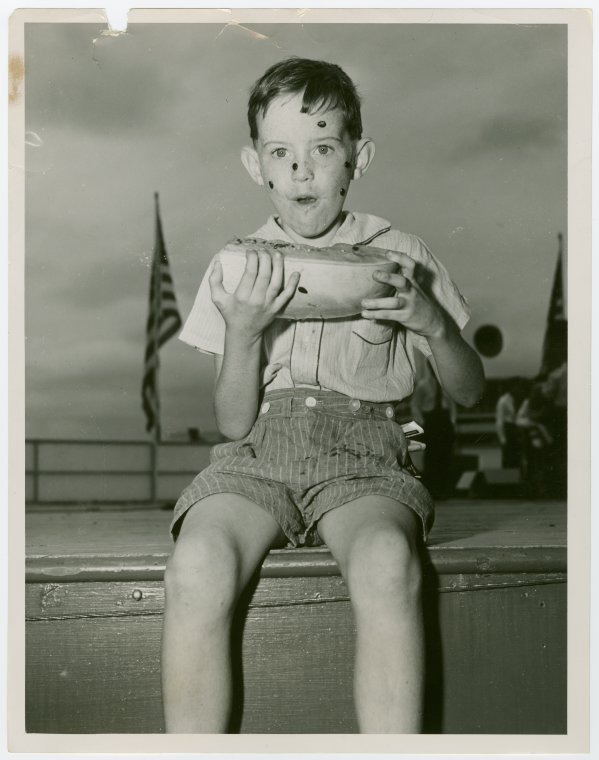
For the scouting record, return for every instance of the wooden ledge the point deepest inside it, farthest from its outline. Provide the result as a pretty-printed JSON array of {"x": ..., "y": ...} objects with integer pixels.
[{"x": 468, "y": 537}]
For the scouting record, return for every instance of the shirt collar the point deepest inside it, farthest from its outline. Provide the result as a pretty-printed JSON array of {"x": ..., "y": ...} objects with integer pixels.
[{"x": 356, "y": 229}]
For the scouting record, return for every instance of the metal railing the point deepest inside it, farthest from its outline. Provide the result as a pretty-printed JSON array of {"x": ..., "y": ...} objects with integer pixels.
[
  {"x": 72, "y": 470},
  {"x": 128, "y": 471}
]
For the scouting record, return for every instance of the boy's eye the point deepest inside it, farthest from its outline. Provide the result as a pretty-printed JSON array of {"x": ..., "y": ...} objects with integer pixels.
[
  {"x": 280, "y": 152},
  {"x": 323, "y": 150}
]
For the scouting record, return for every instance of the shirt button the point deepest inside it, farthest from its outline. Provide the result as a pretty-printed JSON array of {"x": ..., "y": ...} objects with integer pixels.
[
  {"x": 310, "y": 401},
  {"x": 390, "y": 412},
  {"x": 355, "y": 404},
  {"x": 265, "y": 407}
]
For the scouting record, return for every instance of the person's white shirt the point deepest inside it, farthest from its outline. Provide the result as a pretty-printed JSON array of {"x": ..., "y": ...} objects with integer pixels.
[{"x": 505, "y": 411}]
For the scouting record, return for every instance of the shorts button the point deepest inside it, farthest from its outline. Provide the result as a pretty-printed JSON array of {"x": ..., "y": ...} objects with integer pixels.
[
  {"x": 265, "y": 407},
  {"x": 390, "y": 412},
  {"x": 355, "y": 404},
  {"x": 310, "y": 401}
]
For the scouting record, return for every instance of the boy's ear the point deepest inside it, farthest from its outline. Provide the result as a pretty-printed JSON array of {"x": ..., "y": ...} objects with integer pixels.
[
  {"x": 364, "y": 155},
  {"x": 249, "y": 158}
]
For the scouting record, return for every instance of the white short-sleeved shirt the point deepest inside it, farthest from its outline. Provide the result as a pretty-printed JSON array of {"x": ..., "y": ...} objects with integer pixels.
[{"x": 365, "y": 359}]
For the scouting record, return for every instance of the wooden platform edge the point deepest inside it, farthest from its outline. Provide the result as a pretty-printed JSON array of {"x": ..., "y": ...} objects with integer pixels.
[{"x": 284, "y": 563}]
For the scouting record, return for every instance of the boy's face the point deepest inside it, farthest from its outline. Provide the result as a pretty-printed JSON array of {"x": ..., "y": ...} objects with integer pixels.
[{"x": 306, "y": 162}]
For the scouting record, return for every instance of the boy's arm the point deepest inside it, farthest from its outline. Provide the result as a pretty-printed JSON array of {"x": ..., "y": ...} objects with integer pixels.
[
  {"x": 236, "y": 387},
  {"x": 458, "y": 365},
  {"x": 247, "y": 313}
]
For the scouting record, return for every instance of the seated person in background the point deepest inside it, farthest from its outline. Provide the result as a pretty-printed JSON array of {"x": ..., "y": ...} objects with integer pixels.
[
  {"x": 534, "y": 420},
  {"x": 505, "y": 422},
  {"x": 555, "y": 389}
]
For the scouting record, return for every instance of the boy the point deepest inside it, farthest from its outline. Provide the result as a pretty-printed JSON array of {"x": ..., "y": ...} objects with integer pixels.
[{"x": 315, "y": 454}]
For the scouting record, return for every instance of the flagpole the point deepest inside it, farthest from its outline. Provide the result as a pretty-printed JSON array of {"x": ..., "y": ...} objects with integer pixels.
[{"x": 156, "y": 438}]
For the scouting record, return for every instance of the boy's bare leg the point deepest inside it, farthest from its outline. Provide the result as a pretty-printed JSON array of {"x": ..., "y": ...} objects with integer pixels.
[
  {"x": 374, "y": 540},
  {"x": 223, "y": 539}
]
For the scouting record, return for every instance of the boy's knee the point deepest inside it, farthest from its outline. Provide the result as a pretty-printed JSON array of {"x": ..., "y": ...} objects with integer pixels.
[
  {"x": 384, "y": 567},
  {"x": 203, "y": 573}
]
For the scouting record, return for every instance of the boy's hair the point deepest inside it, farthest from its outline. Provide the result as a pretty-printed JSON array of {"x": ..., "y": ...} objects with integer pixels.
[{"x": 325, "y": 85}]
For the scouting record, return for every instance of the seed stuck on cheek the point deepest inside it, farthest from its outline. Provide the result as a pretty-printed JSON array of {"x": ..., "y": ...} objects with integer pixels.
[
  {"x": 342, "y": 191},
  {"x": 347, "y": 165},
  {"x": 270, "y": 184},
  {"x": 321, "y": 124},
  {"x": 294, "y": 167}
]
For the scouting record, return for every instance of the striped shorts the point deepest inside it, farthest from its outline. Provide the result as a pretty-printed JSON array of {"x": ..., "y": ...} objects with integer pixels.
[{"x": 307, "y": 453}]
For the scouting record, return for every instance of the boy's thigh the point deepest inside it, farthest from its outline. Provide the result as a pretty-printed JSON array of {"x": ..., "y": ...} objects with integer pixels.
[{"x": 229, "y": 518}]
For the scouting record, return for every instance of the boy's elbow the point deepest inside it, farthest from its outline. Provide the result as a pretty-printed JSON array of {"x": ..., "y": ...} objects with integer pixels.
[
  {"x": 474, "y": 394},
  {"x": 233, "y": 429},
  {"x": 233, "y": 432},
  {"x": 471, "y": 390},
  {"x": 471, "y": 399}
]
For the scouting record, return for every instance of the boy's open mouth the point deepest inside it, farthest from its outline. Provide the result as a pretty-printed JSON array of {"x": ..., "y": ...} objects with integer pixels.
[{"x": 305, "y": 200}]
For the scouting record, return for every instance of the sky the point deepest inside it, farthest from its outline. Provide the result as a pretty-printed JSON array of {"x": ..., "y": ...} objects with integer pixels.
[{"x": 470, "y": 127}]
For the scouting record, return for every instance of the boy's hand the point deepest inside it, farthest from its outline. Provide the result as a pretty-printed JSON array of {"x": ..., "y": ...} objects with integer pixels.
[
  {"x": 410, "y": 306},
  {"x": 258, "y": 298}
]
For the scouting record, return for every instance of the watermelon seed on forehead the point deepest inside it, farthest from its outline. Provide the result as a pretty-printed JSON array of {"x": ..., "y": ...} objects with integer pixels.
[{"x": 322, "y": 124}]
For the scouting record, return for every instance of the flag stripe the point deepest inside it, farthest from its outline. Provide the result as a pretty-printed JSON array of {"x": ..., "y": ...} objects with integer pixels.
[{"x": 162, "y": 323}]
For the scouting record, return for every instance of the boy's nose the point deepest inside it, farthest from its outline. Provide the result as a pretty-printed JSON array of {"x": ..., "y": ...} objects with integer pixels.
[{"x": 302, "y": 170}]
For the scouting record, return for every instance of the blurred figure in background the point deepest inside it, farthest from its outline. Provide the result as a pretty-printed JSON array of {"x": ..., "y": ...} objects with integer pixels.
[
  {"x": 437, "y": 414},
  {"x": 505, "y": 422},
  {"x": 536, "y": 420}
]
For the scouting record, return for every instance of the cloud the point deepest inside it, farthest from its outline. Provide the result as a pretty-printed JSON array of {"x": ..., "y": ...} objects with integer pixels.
[
  {"x": 103, "y": 84},
  {"x": 511, "y": 132},
  {"x": 105, "y": 286},
  {"x": 97, "y": 391},
  {"x": 149, "y": 81}
]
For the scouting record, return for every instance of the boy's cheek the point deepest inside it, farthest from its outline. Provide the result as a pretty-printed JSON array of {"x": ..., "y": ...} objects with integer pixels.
[
  {"x": 267, "y": 166},
  {"x": 340, "y": 180},
  {"x": 275, "y": 181}
]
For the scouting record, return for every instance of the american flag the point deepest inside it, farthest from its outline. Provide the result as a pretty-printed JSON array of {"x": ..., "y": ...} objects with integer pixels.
[
  {"x": 555, "y": 344},
  {"x": 163, "y": 322}
]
